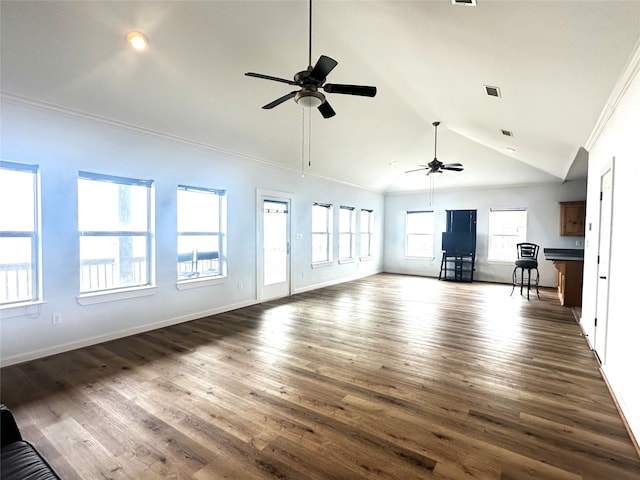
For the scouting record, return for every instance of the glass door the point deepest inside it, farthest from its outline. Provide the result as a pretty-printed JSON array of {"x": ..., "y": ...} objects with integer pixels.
[{"x": 274, "y": 264}]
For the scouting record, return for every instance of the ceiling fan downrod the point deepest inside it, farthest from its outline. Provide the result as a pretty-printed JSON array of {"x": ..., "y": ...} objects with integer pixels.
[
  {"x": 435, "y": 143},
  {"x": 310, "y": 7}
]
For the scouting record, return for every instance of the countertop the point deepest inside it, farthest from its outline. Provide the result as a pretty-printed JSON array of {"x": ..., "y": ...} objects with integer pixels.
[{"x": 564, "y": 254}]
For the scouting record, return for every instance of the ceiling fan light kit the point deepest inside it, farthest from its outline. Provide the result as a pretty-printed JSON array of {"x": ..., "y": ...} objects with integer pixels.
[{"x": 309, "y": 98}]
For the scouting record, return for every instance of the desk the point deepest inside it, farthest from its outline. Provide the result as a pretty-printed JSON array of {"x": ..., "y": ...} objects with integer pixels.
[{"x": 569, "y": 265}]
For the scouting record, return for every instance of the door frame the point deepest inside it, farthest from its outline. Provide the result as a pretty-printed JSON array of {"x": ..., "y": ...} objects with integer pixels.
[
  {"x": 601, "y": 324},
  {"x": 261, "y": 196}
]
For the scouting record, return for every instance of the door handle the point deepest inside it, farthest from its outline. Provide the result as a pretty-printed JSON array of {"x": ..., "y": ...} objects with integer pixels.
[{"x": 602, "y": 277}]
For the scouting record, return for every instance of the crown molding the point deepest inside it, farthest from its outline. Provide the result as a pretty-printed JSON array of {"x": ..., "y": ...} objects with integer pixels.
[{"x": 625, "y": 79}]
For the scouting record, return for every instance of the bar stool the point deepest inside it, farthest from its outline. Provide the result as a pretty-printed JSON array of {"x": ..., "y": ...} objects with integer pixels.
[{"x": 527, "y": 260}]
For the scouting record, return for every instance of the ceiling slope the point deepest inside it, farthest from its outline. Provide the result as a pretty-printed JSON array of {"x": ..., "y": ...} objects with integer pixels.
[{"x": 556, "y": 63}]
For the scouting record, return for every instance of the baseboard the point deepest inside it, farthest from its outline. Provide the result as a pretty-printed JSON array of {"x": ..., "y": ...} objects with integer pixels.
[
  {"x": 331, "y": 283},
  {"x": 621, "y": 412},
  {"x": 87, "y": 342}
]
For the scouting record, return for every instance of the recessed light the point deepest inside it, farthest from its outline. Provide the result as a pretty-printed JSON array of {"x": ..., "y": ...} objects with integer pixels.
[
  {"x": 507, "y": 133},
  {"x": 511, "y": 150},
  {"x": 137, "y": 40},
  {"x": 492, "y": 91},
  {"x": 466, "y": 3}
]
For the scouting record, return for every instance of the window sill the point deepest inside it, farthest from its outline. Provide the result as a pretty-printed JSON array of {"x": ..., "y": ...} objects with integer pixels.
[
  {"x": 115, "y": 295},
  {"x": 21, "y": 309},
  {"x": 200, "y": 282},
  {"x": 426, "y": 259},
  {"x": 344, "y": 261},
  {"x": 321, "y": 264},
  {"x": 366, "y": 259}
]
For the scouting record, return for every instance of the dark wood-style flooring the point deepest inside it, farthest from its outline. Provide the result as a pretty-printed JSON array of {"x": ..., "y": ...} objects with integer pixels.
[{"x": 389, "y": 377}]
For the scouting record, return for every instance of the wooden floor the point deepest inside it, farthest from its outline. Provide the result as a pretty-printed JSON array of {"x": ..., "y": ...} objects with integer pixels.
[{"x": 389, "y": 377}]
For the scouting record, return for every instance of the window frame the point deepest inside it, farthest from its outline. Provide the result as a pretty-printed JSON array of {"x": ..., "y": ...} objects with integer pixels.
[
  {"x": 366, "y": 233},
  {"x": 327, "y": 232},
  {"x": 221, "y": 234},
  {"x": 521, "y": 237},
  {"x": 128, "y": 291},
  {"x": 350, "y": 231},
  {"x": 34, "y": 274},
  {"x": 408, "y": 234}
]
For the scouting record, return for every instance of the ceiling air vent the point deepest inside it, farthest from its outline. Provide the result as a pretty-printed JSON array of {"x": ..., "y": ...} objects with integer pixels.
[
  {"x": 492, "y": 91},
  {"x": 468, "y": 3},
  {"x": 507, "y": 133}
]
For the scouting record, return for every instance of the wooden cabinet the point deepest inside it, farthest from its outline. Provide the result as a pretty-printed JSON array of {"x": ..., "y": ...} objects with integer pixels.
[
  {"x": 572, "y": 217},
  {"x": 569, "y": 279}
]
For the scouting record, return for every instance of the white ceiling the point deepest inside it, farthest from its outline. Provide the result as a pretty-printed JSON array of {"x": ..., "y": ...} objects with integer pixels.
[{"x": 556, "y": 63}]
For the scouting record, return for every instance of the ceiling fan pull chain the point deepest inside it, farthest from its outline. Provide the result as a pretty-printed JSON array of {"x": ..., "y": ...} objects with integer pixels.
[
  {"x": 309, "y": 142},
  {"x": 302, "y": 152}
]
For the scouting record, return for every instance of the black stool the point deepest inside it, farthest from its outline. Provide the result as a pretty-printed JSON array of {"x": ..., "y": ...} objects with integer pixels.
[{"x": 527, "y": 260}]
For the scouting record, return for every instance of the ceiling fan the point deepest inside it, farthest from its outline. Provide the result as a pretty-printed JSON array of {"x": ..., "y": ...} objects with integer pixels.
[
  {"x": 435, "y": 165},
  {"x": 311, "y": 81}
]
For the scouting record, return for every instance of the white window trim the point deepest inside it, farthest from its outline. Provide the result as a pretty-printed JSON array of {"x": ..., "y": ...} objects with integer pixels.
[
  {"x": 36, "y": 274},
  {"x": 406, "y": 236},
  {"x": 352, "y": 235},
  {"x": 86, "y": 298},
  {"x": 328, "y": 233},
  {"x": 368, "y": 232},
  {"x": 494, "y": 261},
  {"x": 190, "y": 283},
  {"x": 322, "y": 264},
  {"x": 104, "y": 296},
  {"x": 201, "y": 282}
]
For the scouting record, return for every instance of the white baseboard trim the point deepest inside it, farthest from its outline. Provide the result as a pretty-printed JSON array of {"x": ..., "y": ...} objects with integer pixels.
[
  {"x": 87, "y": 342},
  {"x": 629, "y": 416},
  {"x": 331, "y": 283}
]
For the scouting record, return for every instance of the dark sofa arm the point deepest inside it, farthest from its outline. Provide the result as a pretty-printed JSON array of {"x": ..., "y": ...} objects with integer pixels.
[{"x": 9, "y": 431}]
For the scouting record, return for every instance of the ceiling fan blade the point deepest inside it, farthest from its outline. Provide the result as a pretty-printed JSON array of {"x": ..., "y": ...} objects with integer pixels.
[
  {"x": 417, "y": 170},
  {"x": 323, "y": 66},
  {"x": 452, "y": 168},
  {"x": 361, "y": 90},
  {"x": 326, "y": 110},
  {"x": 453, "y": 165},
  {"x": 269, "y": 77},
  {"x": 280, "y": 100}
]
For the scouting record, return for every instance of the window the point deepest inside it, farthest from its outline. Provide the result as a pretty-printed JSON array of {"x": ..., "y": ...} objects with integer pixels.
[
  {"x": 321, "y": 233},
  {"x": 419, "y": 228},
  {"x": 366, "y": 230},
  {"x": 19, "y": 233},
  {"x": 507, "y": 228},
  {"x": 201, "y": 229},
  {"x": 346, "y": 240},
  {"x": 115, "y": 228}
]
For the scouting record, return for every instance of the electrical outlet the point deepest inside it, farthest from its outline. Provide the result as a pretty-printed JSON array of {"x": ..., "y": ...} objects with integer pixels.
[
  {"x": 240, "y": 285},
  {"x": 56, "y": 318}
]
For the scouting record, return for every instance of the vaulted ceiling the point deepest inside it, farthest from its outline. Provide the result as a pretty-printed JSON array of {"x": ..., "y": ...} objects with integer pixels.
[{"x": 555, "y": 62}]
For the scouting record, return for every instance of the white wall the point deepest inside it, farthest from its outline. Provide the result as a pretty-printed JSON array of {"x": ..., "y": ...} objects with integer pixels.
[
  {"x": 543, "y": 225},
  {"x": 62, "y": 144},
  {"x": 620, "y": 139}
]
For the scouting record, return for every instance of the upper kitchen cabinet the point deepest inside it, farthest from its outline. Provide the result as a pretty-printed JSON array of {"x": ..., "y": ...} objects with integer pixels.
[{"x": 572, "y": 216}]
